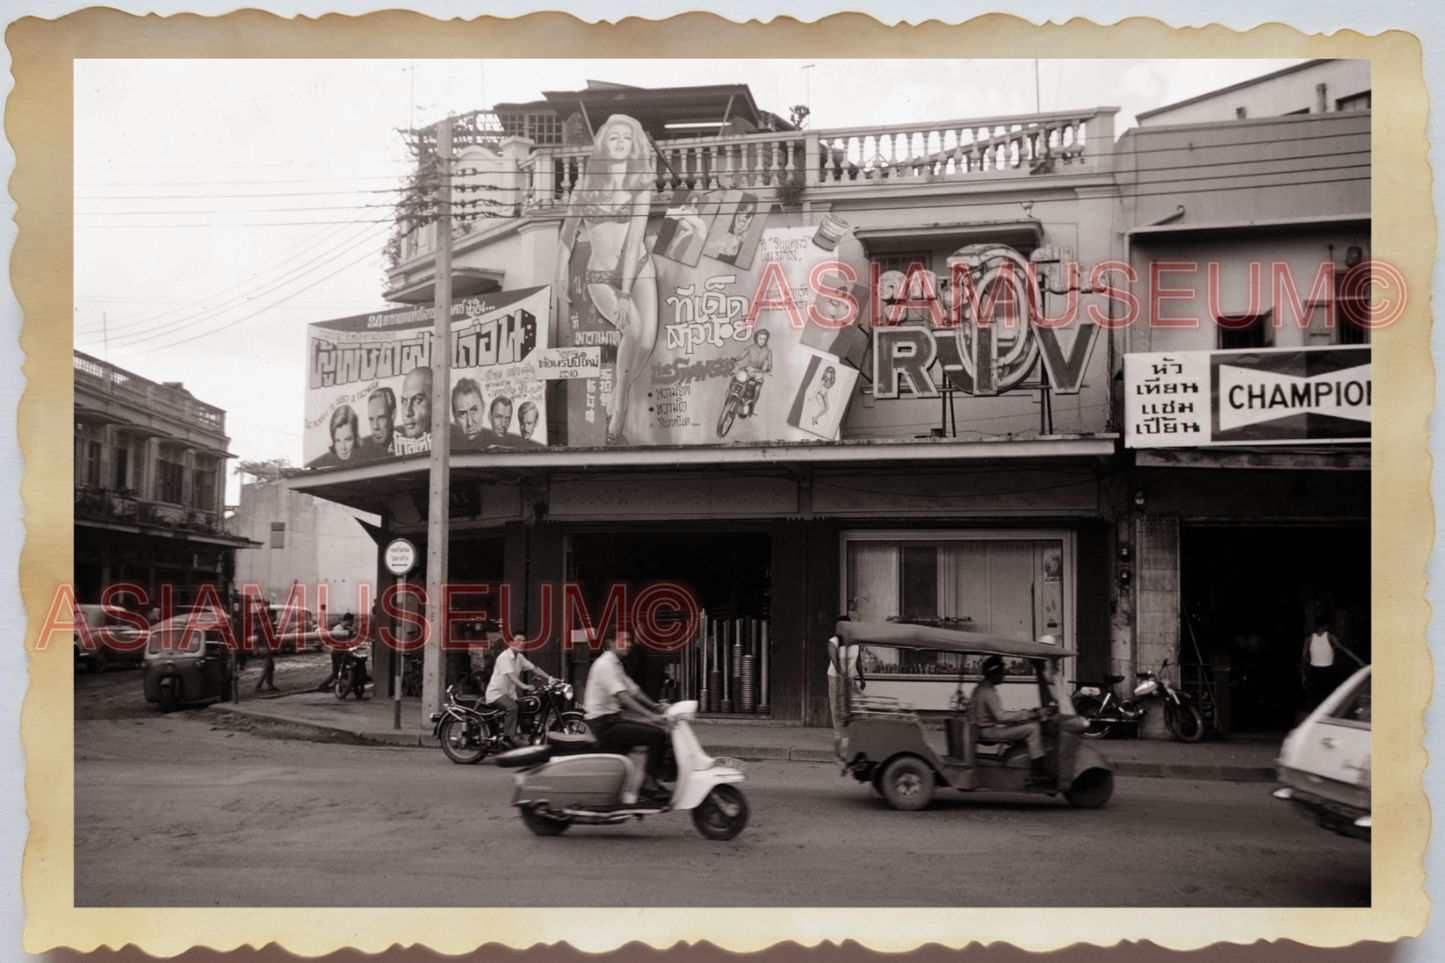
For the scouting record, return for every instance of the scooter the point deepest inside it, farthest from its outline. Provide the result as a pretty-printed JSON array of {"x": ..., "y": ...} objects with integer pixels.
[
  {"x": 570, "y": 780},
  {"x": 470, "y": 728},
  {"x": 352, "y": 677},
  {"x": 1098, "y": 705},
  {"x": 742, "y": 396}
]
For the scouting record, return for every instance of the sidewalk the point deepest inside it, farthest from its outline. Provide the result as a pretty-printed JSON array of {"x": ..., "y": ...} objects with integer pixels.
[{"x": 1240, "y": 760}]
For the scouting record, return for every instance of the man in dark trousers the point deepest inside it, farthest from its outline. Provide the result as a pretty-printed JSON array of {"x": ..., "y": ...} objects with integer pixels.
[{"x": 262, "y": 620}]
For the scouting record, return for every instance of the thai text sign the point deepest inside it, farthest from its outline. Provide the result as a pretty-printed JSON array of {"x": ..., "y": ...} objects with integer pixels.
[
  {"x": 369, "y": 380},
  {"x": 1263, "y": 396}
]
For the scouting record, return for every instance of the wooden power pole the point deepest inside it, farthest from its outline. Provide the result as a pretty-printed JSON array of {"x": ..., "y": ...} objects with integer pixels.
[{"x": 438, "y": 511}]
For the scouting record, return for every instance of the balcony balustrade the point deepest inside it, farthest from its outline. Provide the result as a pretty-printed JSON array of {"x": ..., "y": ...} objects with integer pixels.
[
  {"x": 122, "y": 505},
  {"x": 818, "y": 163},
  {"x": 96, "y": 375},
  {"x": 860, "y": 156}
]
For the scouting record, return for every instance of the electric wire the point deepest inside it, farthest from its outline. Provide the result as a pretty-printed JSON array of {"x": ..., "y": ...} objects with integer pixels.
[{"x": 176, "y": 327}]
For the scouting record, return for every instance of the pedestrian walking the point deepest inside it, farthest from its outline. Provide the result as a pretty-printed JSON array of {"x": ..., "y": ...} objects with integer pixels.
[{"x": 267, "y": 682}]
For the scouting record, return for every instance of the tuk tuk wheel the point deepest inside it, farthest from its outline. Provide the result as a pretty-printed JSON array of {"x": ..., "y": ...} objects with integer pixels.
[
  {"x": 907, "y": 784},
  {"x": 170, "y": 695}
]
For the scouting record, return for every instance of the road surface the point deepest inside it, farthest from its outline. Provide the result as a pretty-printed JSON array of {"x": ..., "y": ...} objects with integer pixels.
[{"x": 202, "y": 809}]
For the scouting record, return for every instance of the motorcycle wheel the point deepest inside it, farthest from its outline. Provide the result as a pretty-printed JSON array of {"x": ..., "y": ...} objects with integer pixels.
[
  {"x": 453, "y": 737},
  {"x": 572, "y": 724},
  {"x": 907, "y": 784},
  {"x": 1186, "y": 724},
  {"x": 171, "y": 697},
  {"x": 725, "y": 420},
  {"x": 543, "y": 824},
  {"x": 722, "y": 814},
  {"x": 1088, "y": 707},
  {"x": 1091, "y": 790},
  {"x": 98, "y": 662},
  {"x": 342, "y": 686}
]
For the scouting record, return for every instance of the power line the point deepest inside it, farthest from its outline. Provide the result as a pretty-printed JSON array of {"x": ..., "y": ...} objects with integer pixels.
[
  {"x": 176, "y": 327},
  {"x": 229, "y": 324},
  {"x": 280, "y": 258}
]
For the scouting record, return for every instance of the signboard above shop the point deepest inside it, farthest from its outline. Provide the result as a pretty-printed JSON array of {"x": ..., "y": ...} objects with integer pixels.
[{"x": 1258, "y": 396}]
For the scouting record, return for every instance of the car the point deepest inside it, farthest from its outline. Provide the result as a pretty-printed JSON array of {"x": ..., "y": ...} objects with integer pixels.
[
  {"x": 296, "y": 628},
  {"x": 114, "y": 634},
  {"x": 1324, "y": 764}
]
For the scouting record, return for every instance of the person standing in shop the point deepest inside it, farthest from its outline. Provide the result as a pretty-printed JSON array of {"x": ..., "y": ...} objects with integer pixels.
[{"x": 1317, "y": 662}]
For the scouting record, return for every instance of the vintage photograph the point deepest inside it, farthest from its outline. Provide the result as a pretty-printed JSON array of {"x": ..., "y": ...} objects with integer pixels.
[{"x": 953, "y": 503}]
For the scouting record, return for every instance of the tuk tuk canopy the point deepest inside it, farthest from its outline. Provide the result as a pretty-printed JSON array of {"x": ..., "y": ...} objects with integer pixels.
[{"x": 902, "y": 635}]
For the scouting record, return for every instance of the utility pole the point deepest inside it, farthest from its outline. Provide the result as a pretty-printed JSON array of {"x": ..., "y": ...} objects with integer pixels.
[{"x": 438, "y": 528}]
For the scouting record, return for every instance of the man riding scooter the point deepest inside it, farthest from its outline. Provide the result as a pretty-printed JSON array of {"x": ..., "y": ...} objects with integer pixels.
[{"x": 621, "y": 715}]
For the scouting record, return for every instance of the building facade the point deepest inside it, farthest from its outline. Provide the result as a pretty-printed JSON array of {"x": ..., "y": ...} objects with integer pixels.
[
  {"x": 938, "y": 435},
  {"x": 149, "y": 487},
  {"x": 303, "y": 541}
]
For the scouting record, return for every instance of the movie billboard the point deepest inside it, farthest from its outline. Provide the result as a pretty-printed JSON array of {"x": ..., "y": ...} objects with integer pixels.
[
  {"x": 716, "y": 322},
  {"x": 369, "y": 389}
]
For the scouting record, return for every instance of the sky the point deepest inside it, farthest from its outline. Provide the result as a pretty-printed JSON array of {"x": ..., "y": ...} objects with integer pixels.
[{"x": 222, "y": 205}]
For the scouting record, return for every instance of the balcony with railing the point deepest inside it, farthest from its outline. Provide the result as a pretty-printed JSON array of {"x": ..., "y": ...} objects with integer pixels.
[
  {"x": 92, "y": 374},
  {"x": 124, "y": 507},
  {"x": 803, "y": 165},
  {"x": 799, "y": 162}
]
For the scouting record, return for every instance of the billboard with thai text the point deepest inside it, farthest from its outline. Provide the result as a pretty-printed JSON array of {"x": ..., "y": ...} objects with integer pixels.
[
  {"x": 369, "y": 388},
  {"x": 1264, "y": 396}
]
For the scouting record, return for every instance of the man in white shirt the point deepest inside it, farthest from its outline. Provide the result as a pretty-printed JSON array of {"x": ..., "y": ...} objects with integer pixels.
[
  {"x": 1317, "y": 662},
  {"x": 609, "y": 692},
  {"x": 507, "y": 682}
]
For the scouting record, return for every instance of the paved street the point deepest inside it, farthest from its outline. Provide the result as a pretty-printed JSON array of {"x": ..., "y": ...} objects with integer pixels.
[{"x": 203, "y": 808}]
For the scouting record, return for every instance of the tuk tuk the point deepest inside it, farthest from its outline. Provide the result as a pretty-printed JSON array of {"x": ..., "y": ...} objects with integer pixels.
[
  {"x": 187, "y": 666},
  {"x": 888, "y": 746}
]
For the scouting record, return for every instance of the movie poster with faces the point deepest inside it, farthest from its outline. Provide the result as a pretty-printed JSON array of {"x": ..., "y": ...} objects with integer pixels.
[
  {"x": 369, "y": 390},
  {"x": 709, "y": 375}
]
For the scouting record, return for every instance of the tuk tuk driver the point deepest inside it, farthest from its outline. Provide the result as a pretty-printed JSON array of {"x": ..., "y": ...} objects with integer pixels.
[{"x": 995, "y": 724}]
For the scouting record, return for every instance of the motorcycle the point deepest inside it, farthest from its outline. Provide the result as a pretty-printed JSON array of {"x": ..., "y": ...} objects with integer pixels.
[
  {"x": 470, "y": 728},
  {"x": 742, "y": 396},
  {"x": 569, "y": 779},
  {"x": 1098, "y": 704},
  {"x": 352, "y": 677}
]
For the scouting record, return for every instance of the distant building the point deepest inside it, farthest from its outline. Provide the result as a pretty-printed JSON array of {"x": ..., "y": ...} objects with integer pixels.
[
  {"x": 149, "y": 482},
  {"x": 303, "y": 540},
  {"x": 1313, "y": 87}
]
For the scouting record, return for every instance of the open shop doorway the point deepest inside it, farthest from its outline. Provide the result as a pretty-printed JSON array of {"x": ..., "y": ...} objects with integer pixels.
[
  {"x": 728, "y": 572},
  {"x": 1250, "y": 595}
]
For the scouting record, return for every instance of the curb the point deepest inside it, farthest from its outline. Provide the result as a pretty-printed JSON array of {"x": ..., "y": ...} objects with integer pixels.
[{"x": 414, "y": 739}]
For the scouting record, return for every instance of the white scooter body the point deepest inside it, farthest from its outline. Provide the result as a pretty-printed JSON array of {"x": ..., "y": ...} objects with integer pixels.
[{"x": 595, "y": 787}]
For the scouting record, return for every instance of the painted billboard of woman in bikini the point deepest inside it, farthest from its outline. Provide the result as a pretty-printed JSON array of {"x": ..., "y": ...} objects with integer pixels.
[{"x": 610, "y": 207}]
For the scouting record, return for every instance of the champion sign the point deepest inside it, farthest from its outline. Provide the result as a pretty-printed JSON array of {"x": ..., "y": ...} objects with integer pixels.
[{"x": 1254, "y": 397}]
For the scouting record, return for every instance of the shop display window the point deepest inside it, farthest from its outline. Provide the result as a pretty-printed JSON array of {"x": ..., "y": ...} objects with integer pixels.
[{"x": 1013, "y": 584}]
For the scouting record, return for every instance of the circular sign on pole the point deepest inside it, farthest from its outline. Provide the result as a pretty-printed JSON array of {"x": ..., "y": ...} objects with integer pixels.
[{"x": 400, "y": 556}]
